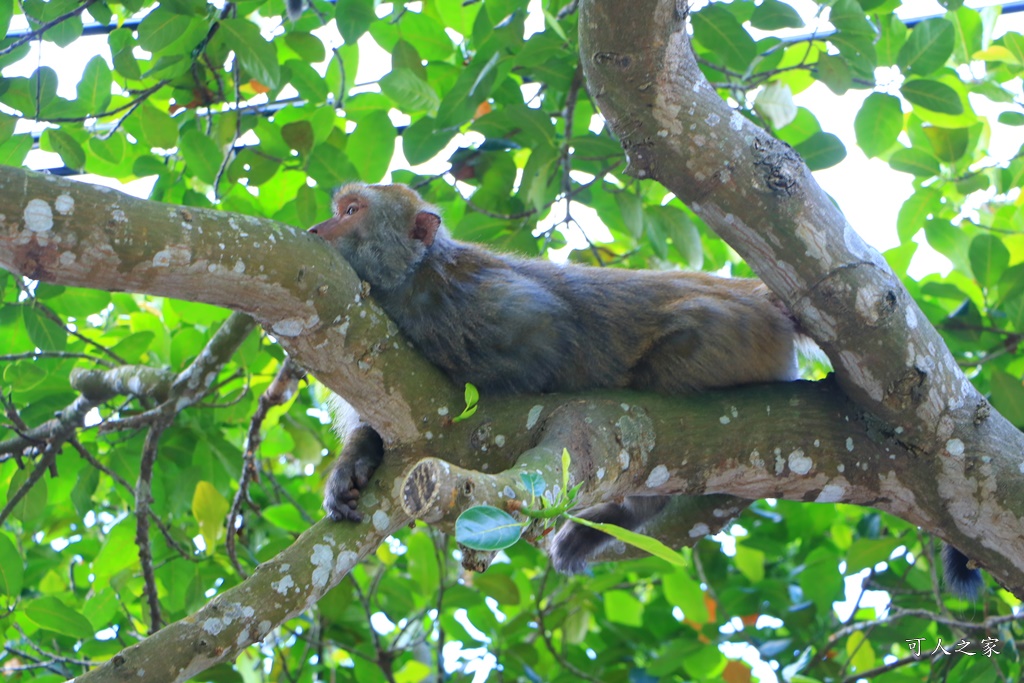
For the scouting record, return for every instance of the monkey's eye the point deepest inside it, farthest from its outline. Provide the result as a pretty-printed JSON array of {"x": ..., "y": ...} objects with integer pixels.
[{"x": 352, "y": 208}]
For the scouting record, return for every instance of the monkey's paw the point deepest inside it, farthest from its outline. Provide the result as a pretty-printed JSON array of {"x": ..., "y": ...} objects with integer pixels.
[{"x": 345, "y": 485}]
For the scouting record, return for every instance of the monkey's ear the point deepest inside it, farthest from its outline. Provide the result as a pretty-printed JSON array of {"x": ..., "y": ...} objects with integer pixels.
[{"x": 425, "y": 226}]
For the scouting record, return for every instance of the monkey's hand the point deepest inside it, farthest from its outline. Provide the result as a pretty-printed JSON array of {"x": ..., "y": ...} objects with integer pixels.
[{"x": 363, "y": 452}]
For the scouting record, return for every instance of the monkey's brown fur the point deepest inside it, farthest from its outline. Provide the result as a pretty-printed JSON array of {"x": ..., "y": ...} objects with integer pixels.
[{"x": 511, "y": 325}]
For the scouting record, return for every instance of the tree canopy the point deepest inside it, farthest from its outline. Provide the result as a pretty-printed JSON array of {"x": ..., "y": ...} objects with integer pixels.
[{"x": 163, "y": 461}]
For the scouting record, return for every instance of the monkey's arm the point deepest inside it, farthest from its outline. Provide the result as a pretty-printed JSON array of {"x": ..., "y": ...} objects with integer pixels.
[{"x": 359, "y": 458}]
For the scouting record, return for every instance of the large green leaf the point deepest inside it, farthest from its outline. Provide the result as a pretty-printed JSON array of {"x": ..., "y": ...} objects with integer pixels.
[
  {"x": 257, "y": 56},
  {"x": 878, "y": 123},
  {"x": 929, "y": 46},
  {"x": 932, "y": 95},
  {"x": 717, "y": 29}
]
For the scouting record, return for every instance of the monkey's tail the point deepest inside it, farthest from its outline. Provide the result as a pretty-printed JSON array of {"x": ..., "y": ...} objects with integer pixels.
[{"x": 961, "y": 576}]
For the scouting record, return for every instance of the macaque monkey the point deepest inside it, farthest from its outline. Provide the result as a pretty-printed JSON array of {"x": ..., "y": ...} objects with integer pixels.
[{"x": 518, "y": 326}]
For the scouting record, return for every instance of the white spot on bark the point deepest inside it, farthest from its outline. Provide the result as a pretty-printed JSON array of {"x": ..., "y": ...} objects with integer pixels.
[
  {"x": 322, "y": 559},
  {"x": 736, "y": 121},
  {"x": 67, "y": 258},
  {"x": 442, "y": 411},
  {"x": 849, "y": 443},
  {"x": 830, "y": 493},
  {"x": 724, "y": 419},
  {"x": 699, "y": 530},
  {"x": 213, "y": 626},
  {"x": 600, "y": 473},
  {"x": 293, "y": 327},
  {"x": 657, "y": 477},
  {"x": 755, "y": 458},
  {"x": 815, "y": 243},
  {"x": 346, "y": 560},
  {"x": 118, "y": 216},
  {"x": 866, "y": 310},
  {"x": 381, "y": 520},
  {"x": 38, "y": 216},
  {"x": 955, "y": 447},
  {"x": 65, "y": 204},
  {"x": 841, "y": 468},
  {"x": 800, "y": 463},
  {"x": 624, "y": 459},
  {"x": 533, "y": 416},
  {"x": 239, "y": 267},
  {"x": 283, "y": 584},
  {"x": 499, "y": 441},
  {"x": 911, "y": 317},
  {"x": 428, "y": 436}
]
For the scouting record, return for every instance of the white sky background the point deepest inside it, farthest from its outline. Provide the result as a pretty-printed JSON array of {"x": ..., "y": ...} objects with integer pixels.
[{"x": 869, "y": 192}]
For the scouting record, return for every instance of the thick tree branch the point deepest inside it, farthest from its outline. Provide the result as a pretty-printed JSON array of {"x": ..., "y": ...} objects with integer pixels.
[{"x": 760, "y": 197}]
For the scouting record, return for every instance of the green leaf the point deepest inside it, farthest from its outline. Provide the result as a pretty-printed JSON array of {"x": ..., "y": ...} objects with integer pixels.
[
  {"x": 157, "y": 128},
  {"x": 622, "y": 607},
  {"x": 66, "y": 146},
  {"x": 715, "y": 28},
  {"x": 209, "y": 508},
  {"x": 472, "y": 398},
  {"x": 202, "y": 155},
  {"x": 409, "y": 91},
  {"x": 122, "y": 43},
  {"x": 159, "y": 29},
  {"x": 915, "y": 161},
  {"x": 933, "y": 95},
  {"x": 949, "y": 144},
  {"x": 12, "y": 565},
  {"x": 6, "y": 12},
  {"x": 23, "y": 375},
  {"x": 14, "y": 151},
  {"x": 915, "y": 212},
  {"x": 821, "y": 150},
  {"x": 111, "y": 149},
  {"x": 771, "y": 15},
  {"x": 929, "y": 46},
  {"x": 834, "y": 71},
  {"x": 44, "y": 333},
  {"x": 685, "y": 593},
  {"x": 94, "y": 88},
  {"x": 498, "y": 586},
  {"x": 257, "y": 56},
  {"x": 354, "y": 18},
  {"x": 307, "y": 81},
  {"x": 421, "y": 141},
  {"x": 427, "y": 34},
  {"x": 1011, "y": 118},
  {"x": 7, "y": 124},
  {"x": 53, "y": 615},
  {"x": 750, "y": 563},
  {"x": 1008, "y": 396},
  {"x": 878, "y": 123},
  {"x": 648, "y": 544},
  {"x": 284, "y": 516},
  {"x": 485, "y": 527},
  {"x": 989, "y": 258},
  {"x": 306, "y": 46}
]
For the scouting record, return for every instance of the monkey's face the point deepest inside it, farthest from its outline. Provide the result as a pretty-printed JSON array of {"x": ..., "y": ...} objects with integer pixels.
[
  {"x": 349, "y": 213},
  {"x": 383, "y": 231}
]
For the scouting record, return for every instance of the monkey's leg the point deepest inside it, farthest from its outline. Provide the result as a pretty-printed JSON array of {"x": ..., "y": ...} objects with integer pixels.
[
  {"x": 574, "y": 544},
  {"x": 350, "y": 473}
]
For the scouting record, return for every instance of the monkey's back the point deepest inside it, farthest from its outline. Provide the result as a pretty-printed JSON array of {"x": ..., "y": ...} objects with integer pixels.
[{"x": 512, "y": 325}]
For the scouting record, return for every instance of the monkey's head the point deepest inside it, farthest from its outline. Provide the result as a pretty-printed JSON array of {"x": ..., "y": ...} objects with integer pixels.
[{"x": 383, "y": 231}]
